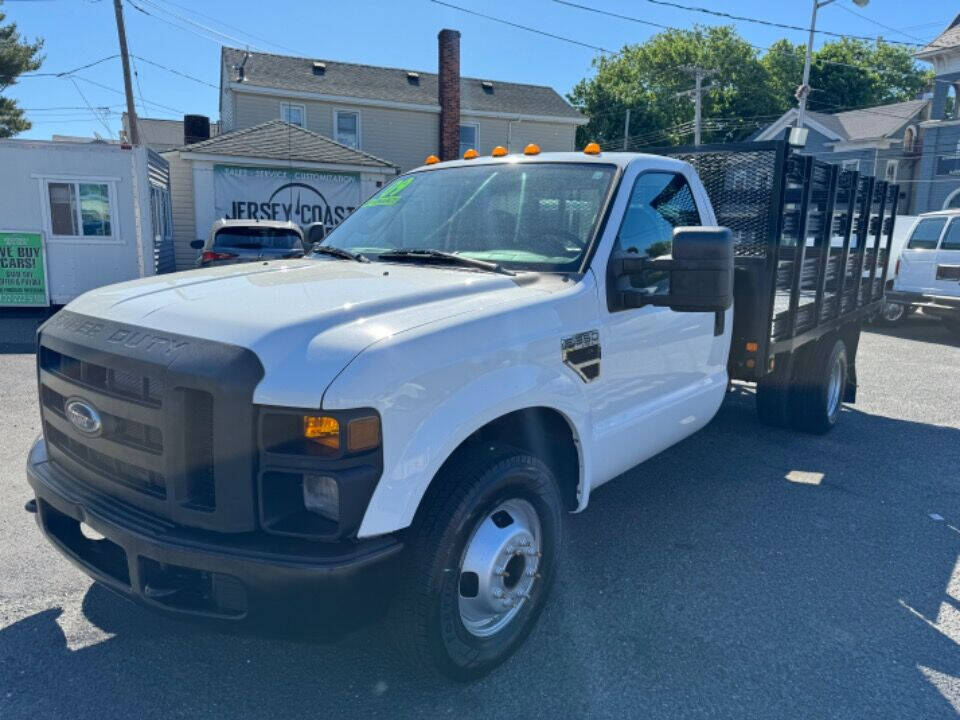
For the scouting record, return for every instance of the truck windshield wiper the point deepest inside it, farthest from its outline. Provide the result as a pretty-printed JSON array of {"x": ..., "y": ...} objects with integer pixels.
[
  {"x": 427, "y": 255},
  {"x": 339, "y": 253}
]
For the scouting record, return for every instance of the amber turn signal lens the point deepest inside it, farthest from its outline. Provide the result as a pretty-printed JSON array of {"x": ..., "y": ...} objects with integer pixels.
[
  {"x": 431, "y": 160},
  {"x": 322, "y": 430},
  {"x": 752, "y": 347},
  {"x": 499, "y": 151},
  {"x": 531, "y": 149},
  {"x": 470, "y": 154},
  {"x": 363, "y": 433},
  {"x": 592, "y": 149}
]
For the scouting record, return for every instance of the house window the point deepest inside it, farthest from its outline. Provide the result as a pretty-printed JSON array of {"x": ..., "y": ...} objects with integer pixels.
[
  {"x": 851, "y": 164},
  {"x": 347, "y": 127},
  {"x": 469, "y": 137},
  {"x": 293, "y": 114},
  {"x": 79, "y": 209},
  {"x": 890, "y": 173}
]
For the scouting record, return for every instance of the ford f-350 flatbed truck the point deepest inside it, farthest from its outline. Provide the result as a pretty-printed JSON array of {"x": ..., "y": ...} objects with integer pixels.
[{"x": 416, "y": 405}]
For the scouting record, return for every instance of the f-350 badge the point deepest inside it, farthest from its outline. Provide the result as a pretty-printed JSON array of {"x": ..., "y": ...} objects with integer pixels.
[{"x": 581, "y": 353}]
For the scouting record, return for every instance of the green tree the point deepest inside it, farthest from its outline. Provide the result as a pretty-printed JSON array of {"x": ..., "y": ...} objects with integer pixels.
[
  {"x": 750, "y": 89},
  {"x": 16, "y": 58},
  {"x": 846, "y": 74},
  {"x": 647, "y": 78}
]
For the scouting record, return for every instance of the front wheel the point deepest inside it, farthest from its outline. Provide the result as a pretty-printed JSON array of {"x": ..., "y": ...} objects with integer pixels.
[{"x": 480, "y": 560}]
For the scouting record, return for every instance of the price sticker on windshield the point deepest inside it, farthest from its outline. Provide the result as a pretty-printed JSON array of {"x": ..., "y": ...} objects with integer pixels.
[{"x": 392, "y": 195}]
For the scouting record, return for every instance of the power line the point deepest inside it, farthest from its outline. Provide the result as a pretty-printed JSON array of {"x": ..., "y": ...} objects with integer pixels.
[
  {"x": 523, "y": 27},
  {"x": 159, "y": 8},
  {"x": 70, "y": 72},
  {"x": 233, "y": 27},
  {"x": 879, "y": 24},
  {"x": 175, "y": 72},
  {"x": 760, "y": 21},
  {"x": 96, "y": 114}
]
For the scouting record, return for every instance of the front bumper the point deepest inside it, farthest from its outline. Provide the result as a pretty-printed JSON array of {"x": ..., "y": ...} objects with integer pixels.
[
  {"x": 186, "y": 571},
  {"x": 937, "y": 305}
]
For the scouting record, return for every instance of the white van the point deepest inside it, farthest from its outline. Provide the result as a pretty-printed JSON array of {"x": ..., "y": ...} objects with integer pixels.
[{"x": 928, "y": 271}]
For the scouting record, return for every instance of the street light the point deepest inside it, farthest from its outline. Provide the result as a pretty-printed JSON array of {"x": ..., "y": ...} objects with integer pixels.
[{"x": 804, "y": 90}]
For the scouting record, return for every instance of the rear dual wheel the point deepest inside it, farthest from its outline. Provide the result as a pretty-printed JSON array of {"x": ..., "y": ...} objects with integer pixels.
[
  {"x": 479, "y": 563},
  {"x": 811, "y": 398}
]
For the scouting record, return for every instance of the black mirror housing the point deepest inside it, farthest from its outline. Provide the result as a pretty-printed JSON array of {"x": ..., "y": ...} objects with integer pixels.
[
  {"x": 700, "y": 269},
  {"x": 315, "y": 233},
  {"x": 196, "y": 244}
]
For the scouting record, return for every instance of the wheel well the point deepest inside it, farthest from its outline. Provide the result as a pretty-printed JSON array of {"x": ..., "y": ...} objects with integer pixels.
[{"x": 542, "y": 432}]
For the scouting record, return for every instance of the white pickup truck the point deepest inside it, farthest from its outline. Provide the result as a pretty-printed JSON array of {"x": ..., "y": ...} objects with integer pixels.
[{"x": 409, "y": 412}]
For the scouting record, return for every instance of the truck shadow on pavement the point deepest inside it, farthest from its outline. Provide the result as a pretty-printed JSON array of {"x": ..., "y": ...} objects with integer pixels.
[
  {"x": 918, "y": 327},
  {"x": 745, "y": 572}
]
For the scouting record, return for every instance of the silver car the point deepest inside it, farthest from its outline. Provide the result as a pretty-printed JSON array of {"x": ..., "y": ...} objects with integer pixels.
[{"x": 238, "y": 241}]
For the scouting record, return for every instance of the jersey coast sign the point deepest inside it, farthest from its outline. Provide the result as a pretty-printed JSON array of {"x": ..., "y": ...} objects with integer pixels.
[
  {"x": 23, "y": 269},
  {"x": 301, "y": 196}
]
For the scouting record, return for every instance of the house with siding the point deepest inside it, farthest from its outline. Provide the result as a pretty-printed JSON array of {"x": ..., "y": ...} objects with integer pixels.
[
  {"x": 915, "y": 143},
  {"x": 394, "y": 113}
]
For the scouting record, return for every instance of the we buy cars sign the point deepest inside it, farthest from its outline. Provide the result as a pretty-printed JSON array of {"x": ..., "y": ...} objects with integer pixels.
[{"x": 301, "y": 196}]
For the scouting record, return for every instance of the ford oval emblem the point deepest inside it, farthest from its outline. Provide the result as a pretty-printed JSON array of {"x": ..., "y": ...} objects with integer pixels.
[{"x": 83, "y": 416}]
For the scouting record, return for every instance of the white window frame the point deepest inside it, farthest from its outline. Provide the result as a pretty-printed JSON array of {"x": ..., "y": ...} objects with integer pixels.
[
  {"x": 114, "y": 238},
  {"x": 850, "y": 164},
  {"x": 895, "y": 164},
  {"x": 285, "y": 107},
  {"x": 476, "y": 135},
  {"x": 337, "y": 112}
]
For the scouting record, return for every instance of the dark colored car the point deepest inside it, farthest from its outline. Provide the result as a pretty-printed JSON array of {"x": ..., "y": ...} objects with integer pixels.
[{"x": 237, "y": 241}]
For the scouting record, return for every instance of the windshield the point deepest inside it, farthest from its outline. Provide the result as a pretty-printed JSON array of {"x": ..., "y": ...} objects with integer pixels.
[
  {"x": 257, "y": 238},
  {"x": 533, "y": 216}
]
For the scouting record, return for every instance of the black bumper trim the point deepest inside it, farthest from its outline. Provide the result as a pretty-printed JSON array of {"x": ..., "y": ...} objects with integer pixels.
[
  {"x": 277, "y": 575},
  {"x": 940, "y": 304}
]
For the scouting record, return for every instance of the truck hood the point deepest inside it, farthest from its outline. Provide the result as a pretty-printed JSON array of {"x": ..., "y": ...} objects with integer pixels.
[{"x": 317, "y": 313}]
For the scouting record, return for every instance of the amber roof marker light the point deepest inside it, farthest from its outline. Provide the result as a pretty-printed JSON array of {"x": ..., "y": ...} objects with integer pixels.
[
  {"x": 470, "y": 154},
  {"x": 592, "y": 149},
  {"x": 531, "y": 149},
  {"x": 499, "y": 151},
  {"x": 431, "y": 160}
]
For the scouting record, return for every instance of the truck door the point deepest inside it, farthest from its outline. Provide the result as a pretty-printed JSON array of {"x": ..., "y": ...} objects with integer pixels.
[{"x": 657, "y": 365}]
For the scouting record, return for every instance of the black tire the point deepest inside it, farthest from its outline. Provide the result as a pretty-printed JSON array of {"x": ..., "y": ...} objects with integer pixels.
[
  {"x": 425, "y": 617},
  {"x": 773, "y": 401},
  {"x": 892, "y": 314},
  {"x": 814, "y": 409}
]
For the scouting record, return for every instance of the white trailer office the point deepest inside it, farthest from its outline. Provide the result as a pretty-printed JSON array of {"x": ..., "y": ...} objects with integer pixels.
[{"x": 103, "y": 210}]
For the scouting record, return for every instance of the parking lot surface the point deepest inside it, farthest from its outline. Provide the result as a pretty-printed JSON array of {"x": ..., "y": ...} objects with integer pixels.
[{"x": 746, "y": 572}]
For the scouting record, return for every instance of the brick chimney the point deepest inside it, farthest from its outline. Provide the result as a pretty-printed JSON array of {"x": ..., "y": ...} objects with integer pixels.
[{"x": 448, "y": 84}]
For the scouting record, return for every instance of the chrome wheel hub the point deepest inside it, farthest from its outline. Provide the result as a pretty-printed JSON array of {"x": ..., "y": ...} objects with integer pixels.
[
  {"x": 892, "y": 312},
  {"x": 499, "y": 567},
  {"x": 834, "y": 388}
]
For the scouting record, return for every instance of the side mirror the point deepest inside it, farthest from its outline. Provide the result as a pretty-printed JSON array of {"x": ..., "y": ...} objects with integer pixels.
[
  {"x": 196, "y": 244},
  {"x": 700, "y": 271},
  {"x": 314, "y": 234}
]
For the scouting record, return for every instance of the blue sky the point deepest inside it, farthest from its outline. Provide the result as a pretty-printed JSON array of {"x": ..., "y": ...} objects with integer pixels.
[{"x": 397, "y": 33}]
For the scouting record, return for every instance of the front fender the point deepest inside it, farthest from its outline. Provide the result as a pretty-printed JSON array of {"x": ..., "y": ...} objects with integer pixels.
[{"x": 413, "y": 459}]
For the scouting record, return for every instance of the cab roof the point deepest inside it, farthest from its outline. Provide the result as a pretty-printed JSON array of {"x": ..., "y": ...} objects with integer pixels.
[{"x": 619, "y": 159}]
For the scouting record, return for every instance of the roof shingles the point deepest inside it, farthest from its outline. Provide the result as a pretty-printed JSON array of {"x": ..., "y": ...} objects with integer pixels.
[
  {"x": 370, "y": 82},
  {"x": 278, "y": 140}
]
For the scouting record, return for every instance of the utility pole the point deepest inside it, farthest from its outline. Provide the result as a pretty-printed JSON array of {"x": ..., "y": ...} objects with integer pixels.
[
  {"x": 626, "y": 129},
  {"x": 127, "y": 85},
  {"x": 699, "y": 75},
  {"x": 804, "y": 90}
]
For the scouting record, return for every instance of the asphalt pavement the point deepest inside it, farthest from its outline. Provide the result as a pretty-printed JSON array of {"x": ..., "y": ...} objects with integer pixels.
[{"x": 746, "y": 572}]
